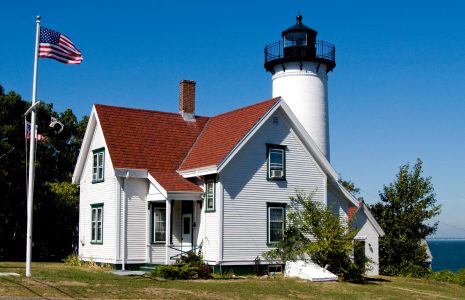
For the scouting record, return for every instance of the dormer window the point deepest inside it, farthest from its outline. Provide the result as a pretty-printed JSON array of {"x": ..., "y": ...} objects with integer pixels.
[
  {"x": 276, "y": 157},
  {"x": 98, "y": 165}
]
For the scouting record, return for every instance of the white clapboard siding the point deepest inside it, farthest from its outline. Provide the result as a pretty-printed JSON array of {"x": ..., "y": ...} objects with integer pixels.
[
  {"x": 157, "y": 253},
  {"x": 338, "y": 204},
  {"x": 136, "y": 219},
  {"x": 196, "y": 219},
  {"x": 247, "y": 190},
  {"x": 94, "y": 193},
  {"x": 208, "y": 230},
  {"x": 370, "y": 236}
]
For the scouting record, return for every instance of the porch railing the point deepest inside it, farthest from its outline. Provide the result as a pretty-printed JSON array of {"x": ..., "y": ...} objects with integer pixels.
[{"x": 184, "y": 250}]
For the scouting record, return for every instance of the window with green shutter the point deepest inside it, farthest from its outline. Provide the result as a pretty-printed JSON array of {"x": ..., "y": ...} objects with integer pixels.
[
  {"x": 98, "y": 165},
  {"x": 210, "y": 195},
  {"x": 97, "y": 224}
]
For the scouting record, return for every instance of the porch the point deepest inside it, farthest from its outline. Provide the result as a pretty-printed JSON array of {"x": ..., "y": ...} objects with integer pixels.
[{"x": 174, "y": 230}]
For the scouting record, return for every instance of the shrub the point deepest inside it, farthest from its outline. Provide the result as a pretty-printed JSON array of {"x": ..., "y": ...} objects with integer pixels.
[
  {"x": 168, "y": 272},
  {"x": 460, "y": 277},
  {"x": 444, "y": 276},
  {"x": 74, "y": 260},
  {"x": 449, "y": 276},
  {"x": 183, "y": 271},
  {"x": 190, "y": 267},
  {"x": 408, "y": 269},
  {"x": 331, "y": 244}
]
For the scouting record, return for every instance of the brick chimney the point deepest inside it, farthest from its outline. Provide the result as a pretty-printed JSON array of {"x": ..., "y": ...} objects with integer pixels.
[{"x": 187, "y": 100}]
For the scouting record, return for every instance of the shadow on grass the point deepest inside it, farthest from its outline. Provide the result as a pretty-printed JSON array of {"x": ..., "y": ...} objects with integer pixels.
[
  {"x": 58, "y": 289},
  {"x": 376, "y": 279},
  {"x": 23, "y": 286},
  {"x": 12, "y": 266}
]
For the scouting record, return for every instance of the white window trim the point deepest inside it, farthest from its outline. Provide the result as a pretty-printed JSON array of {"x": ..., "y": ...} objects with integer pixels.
[
  {"x": 94, "y": 229},
  {"x": 270, "y": 221},
  {"x": 276, "y": 166},
  {"x": 98, "y": 156},
  {"x": 210, "y": 196},
  {"x": 162, "y": 211}
]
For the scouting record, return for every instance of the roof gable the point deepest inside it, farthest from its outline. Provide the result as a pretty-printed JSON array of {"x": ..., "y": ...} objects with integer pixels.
[
  {"x": 363, "y": 209},
  {"x": 223, "y": 133},
  {"x": 151, "y": 140}
]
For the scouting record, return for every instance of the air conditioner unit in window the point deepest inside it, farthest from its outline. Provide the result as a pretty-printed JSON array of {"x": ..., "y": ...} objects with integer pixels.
[{"x": 276, "y": 174}]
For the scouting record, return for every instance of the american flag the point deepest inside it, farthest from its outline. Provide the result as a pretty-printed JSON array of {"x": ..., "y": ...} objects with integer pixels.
[
  {"x": 57, "y": 46},
  {"x": 27, "y": 133}
]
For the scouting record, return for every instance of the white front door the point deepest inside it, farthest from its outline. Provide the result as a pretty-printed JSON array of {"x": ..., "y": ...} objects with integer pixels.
[{"x": 186, "y": 238}]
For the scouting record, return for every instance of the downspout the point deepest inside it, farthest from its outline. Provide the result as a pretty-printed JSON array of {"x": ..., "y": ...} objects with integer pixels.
[
  {"x": 118, "y": 220},
  {"x": 220, "y": 216},
  {"x": 123, "y": 262}
]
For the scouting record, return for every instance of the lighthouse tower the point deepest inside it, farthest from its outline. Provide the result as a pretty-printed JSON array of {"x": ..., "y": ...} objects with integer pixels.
[{"x": 299, "y": 66}]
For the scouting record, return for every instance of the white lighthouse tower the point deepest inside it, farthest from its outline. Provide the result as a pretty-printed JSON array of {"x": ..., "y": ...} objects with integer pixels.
[{"x": 300, "y": 65}]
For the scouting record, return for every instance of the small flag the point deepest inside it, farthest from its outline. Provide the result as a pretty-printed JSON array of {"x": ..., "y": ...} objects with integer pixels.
[
  {"x": 55, "y": 45},
  {"x": 27, "y": 133}
]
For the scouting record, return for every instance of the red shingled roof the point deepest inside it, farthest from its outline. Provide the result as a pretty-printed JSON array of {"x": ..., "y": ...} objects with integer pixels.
[
  {"x": 222, "y": 133},
  {"x": 151, "y": 140},
  {"x": 163, "y": 142},
  {"x": 351, "y": 211}
]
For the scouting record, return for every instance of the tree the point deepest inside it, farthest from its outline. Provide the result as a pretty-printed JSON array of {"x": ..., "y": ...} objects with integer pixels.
[
  {"x": 406, "y": 208},
  {"x": 315, "y": 231},
  {"x": 55, "y": 199},
  {"x": 351, "y": 188}
]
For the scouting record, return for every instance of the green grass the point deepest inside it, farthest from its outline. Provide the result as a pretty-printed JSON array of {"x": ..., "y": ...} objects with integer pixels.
[{"x": 55, "y": 280}]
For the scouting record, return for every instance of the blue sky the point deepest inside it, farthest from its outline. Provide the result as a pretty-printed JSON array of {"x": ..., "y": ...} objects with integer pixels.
[{"x": 397, "y": 92}]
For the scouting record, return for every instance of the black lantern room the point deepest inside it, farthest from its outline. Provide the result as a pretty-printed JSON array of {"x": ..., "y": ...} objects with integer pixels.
[{"x": 299, "y": 44}]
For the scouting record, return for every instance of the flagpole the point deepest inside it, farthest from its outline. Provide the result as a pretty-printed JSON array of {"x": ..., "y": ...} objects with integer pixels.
[{"x": 32, "y": 148}]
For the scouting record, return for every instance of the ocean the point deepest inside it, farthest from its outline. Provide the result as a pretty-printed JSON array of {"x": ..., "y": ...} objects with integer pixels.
[{"x": 448, "y": 254}]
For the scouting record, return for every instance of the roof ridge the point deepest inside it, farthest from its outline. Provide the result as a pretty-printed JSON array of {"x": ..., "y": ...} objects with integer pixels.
[
  {"x": 144, "y": 110},
  {"x": 246, "y": 107}
]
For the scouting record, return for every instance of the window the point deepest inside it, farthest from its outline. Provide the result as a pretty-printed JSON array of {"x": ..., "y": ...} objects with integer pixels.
[
  {"x": 276, "y": 214},
  {"x": 97, "y": 167},
  {"x": 210, "y": 195},
  {"x": 159, "y": 224},
  {"x": 97, "y": 224},
  {"x": 276, "y": 157}
]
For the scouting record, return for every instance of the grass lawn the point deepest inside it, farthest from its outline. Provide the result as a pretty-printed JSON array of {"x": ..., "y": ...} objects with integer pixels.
[{"x": 57, "y": 280}]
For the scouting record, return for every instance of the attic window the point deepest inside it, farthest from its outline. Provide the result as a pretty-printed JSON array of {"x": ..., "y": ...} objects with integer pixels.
[
  {"x": 275, "y": 121},
  {"x": 98, "y": 165}
]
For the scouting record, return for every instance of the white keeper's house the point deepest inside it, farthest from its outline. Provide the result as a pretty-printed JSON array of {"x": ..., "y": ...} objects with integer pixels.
[{"x": 154, "y": 185}]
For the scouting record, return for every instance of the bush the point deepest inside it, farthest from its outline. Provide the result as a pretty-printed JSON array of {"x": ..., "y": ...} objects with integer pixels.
[
  {"x": 168, "y": 272},
  {"x": 408, "y": 269},
  {"x": 191, "y": 267},
  {"x": 331, "y": 244},
  {"x": 449, "y": 276},
  {"x": 184, "y": 271},
  {"x": 74, "y": 260},
  {"x": 444, "y": 276},
  {"x": 460, "y": 277}
]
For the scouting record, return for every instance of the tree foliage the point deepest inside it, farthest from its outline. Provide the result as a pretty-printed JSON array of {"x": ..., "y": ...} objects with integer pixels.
[
  {"x": 351, "y": 188},
  {"x": 315, "y": 231},
  {"x": 406, "y": 208},
  {"x": 55, "y": 198}
]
